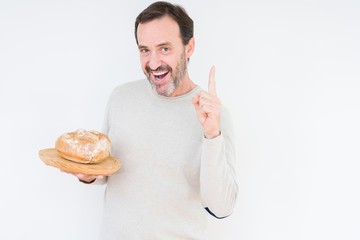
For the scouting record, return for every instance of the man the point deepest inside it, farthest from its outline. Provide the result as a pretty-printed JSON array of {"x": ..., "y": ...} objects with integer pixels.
[{"x": 178, "y": 157}]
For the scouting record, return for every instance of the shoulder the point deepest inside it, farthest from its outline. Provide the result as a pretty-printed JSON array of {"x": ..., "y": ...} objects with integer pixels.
[
  {"x": 129, "y": 90},
  {"x": 137, "y": 86}
]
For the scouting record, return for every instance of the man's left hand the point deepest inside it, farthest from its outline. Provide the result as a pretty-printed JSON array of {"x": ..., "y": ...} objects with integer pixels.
[{"x": 207, "y": 106}]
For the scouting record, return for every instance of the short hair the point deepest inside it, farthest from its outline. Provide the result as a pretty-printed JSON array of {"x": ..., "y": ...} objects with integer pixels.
[{"x": 160, "y": 9}]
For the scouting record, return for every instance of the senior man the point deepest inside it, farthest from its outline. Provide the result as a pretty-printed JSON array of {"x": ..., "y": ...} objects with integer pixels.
[{"x": 175, "y": 140}]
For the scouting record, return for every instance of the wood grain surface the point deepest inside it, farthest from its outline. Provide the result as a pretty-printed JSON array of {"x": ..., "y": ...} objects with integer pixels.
[{"x": 50, "y": 157}]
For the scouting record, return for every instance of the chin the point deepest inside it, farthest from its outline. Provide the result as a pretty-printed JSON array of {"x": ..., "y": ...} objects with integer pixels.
[
  {"x": 163, "y": 90},
  {"x": 165, "y": 93}
]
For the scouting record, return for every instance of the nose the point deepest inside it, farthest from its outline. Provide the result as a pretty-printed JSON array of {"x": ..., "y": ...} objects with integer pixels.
[{"x": 154, "y": 61}]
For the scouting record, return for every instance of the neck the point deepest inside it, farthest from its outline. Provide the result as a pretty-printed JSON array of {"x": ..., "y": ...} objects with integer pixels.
[{"x": 185, "y": 87}]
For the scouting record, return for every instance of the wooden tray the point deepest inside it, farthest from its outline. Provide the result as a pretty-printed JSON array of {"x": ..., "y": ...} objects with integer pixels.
[{"x": 50, "y": 157}]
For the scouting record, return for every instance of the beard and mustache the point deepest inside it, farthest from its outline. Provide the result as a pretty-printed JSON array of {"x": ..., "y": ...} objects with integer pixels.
[{"x": 176, "y": 77}]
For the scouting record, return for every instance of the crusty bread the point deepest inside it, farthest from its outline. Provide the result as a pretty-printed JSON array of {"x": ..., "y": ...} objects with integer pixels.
[{"x": 83, "y": 146}]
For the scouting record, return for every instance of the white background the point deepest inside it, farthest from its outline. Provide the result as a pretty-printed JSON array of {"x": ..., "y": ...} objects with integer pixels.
[{"x": 287, "y": 70}]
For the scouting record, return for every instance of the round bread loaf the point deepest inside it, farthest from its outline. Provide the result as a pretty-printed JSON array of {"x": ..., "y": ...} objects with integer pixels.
[{"x": 83, "y": 146}]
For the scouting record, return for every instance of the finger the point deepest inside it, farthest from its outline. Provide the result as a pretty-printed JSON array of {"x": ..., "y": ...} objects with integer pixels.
[
  {"x": 208, "y": 96},
  {"x": 64, "y": 171},
  {"x": 205, "y": 94},
  {"x": 199, "y": 112},
  {"x": 208, "y": 99},
  {"x": 201, "y": 116},
  {"x": 211, "y": 87},
  {"x": 206, "y": 102},
  {"x": 195, "y": 101},
  {"x": 80, "y": 175},
  {"x": 211, "y": 111}
]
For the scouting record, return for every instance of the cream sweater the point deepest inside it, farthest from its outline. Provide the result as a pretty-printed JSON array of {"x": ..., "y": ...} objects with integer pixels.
[{"x": 170, "y": 173}]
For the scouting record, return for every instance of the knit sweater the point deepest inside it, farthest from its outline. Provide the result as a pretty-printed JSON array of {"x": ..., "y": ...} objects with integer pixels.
[{"x": 170, "y": 174}]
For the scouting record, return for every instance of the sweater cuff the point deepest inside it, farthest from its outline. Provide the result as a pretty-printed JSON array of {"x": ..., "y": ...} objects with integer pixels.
[
  {"x": 100, "y": 181},
  {"x": 87, "y": 182},
  {"x": 212, "y": 148},
  {"x": 213, "y": 141},
  {"x": 96, "y": 181}
]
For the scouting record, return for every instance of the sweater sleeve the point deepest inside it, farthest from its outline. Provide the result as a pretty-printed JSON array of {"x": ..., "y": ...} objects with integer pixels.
[{"x": 218, "y": 183}]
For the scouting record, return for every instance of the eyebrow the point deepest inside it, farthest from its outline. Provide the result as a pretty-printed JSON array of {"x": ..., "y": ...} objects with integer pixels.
[{"x": 159, "y": 45}]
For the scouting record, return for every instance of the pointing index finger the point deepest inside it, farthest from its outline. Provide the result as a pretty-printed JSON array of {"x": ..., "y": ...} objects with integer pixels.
[{"x": 211, "y": 87}]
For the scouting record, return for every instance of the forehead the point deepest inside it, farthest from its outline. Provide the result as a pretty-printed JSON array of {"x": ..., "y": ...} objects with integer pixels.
[{"x": 160, "y": 30}]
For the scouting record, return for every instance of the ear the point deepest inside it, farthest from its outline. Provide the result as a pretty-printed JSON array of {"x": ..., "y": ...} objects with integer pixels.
[{"x": 189, "y": 48}]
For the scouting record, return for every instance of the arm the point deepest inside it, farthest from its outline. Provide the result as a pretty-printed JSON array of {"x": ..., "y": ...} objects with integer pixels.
[
  {"x": 218, "y": 183},
  {"x": 218, "y": 187}
]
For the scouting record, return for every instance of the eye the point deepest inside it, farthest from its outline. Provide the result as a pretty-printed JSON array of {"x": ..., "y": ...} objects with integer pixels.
[
  {"x": 144, "y": 50},
  {"x": 165, "y": 49}
]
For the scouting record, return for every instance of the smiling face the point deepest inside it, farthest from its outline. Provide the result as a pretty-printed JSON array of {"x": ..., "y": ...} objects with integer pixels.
[{"x": 163, "y": 55}]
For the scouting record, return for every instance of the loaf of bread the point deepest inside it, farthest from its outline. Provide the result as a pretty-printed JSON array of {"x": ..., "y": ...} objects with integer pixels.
[{"x": 83, "y": 146}]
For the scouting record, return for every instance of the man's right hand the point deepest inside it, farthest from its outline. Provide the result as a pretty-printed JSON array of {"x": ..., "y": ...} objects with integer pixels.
[{"x": 87, "y": 178}]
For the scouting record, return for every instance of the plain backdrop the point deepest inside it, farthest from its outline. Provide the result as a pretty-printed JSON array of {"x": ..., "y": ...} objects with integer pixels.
[{"x": 287, "y": 70}]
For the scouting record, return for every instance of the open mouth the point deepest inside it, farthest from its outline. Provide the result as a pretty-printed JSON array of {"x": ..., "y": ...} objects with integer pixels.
[{"x": 159, "y": 76}]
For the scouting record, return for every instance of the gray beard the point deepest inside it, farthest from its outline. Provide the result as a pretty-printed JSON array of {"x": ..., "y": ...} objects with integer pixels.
[{"x": 176, "y": 77}]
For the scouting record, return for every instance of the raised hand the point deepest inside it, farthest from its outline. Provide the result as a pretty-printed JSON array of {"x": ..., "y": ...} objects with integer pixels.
[{"x": 207, "y": 106}]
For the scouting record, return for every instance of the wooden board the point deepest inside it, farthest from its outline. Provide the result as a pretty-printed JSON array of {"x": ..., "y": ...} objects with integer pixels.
[{"x": 50, "y": 157}]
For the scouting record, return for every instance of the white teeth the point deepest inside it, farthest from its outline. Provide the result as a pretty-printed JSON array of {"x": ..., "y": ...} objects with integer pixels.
[{"x": 159, "y": 73}]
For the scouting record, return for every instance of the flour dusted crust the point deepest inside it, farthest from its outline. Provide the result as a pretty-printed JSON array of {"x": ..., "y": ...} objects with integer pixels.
[{"x": 83, "y": 146}]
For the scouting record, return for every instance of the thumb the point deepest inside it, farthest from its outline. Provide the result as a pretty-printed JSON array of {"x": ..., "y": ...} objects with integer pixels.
[
  {"x": 195, "y": 101},
  {"x": 199, "y": 112}
]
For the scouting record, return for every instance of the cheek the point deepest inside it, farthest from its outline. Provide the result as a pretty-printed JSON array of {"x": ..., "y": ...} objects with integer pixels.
[
  {"x": 143, "y": 62},
  {"x": 171, "y": 61}
]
